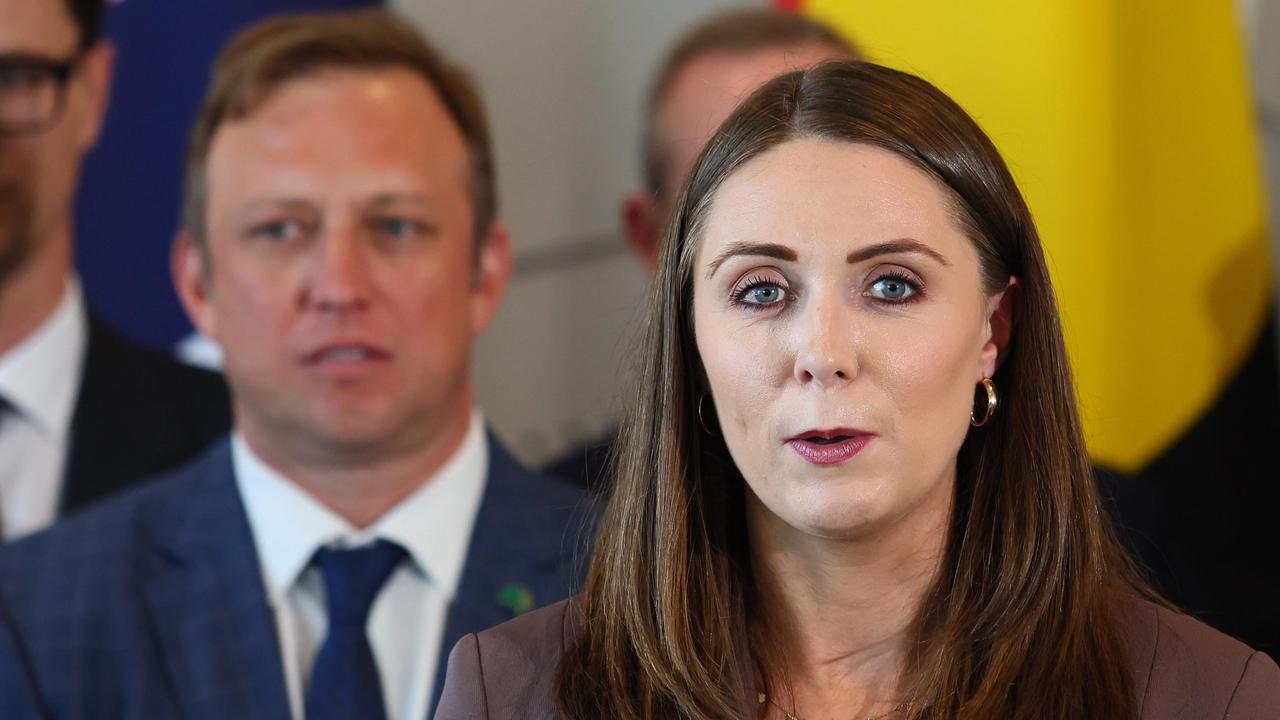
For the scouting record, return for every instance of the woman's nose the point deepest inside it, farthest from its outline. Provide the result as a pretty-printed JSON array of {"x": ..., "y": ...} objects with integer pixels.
[{"x": 826, "y": 353}]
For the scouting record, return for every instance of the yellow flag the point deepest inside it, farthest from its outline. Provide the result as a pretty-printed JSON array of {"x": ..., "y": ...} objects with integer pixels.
[{"x": 1128, "y": 126}]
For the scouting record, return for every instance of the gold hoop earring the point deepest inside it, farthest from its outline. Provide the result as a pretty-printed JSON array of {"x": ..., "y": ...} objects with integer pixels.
[
  {"x": 702, "y": 420},
  {"x": 993, "y": 402}
]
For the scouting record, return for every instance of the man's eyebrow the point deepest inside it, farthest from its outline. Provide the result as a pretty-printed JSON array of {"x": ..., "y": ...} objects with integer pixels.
[
  {"x": 903, "y": 245},
  {"x": 773, "y": 250},
  {"x": 388, "y": 198},
  {"x": 274, "y": 203}
]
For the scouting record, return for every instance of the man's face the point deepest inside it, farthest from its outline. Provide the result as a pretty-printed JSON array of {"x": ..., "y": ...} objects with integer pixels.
[
  {"x": 342, "y": 283},
  {"x": 707, "y": 91},
  {"x": 704, "y": 93},
  {"x": 39, "y": 170}
]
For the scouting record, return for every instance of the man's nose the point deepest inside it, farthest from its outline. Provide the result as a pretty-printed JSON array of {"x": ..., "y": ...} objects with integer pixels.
[
  {"x": 825, "y": 354},
  {"x": 340, "y": 277}
]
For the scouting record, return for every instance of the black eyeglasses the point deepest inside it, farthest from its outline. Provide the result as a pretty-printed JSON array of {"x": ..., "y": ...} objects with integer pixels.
[{"x": 32, "y": 92}]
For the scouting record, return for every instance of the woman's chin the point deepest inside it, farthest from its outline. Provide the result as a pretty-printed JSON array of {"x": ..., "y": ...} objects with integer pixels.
[
  {"x": 845, "y": 529},
  {"x": 839, "y": 518}
]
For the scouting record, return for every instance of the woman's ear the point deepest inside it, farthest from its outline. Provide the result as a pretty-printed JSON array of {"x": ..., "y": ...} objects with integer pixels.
[{"x": 1001, "y": 311}]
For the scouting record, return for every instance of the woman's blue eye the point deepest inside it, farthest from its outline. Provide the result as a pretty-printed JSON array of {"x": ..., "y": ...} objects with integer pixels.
[
  {"x": 892, "y": 288},
  {"x": 760, "y": 293},
  {"x": 765, "y": 294}
]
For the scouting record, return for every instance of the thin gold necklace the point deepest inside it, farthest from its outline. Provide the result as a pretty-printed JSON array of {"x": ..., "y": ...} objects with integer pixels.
[{"x": 762, "y": 698}]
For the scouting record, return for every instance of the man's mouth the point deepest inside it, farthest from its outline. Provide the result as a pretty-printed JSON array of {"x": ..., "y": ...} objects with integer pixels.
[{"x": 345, "y": 353}]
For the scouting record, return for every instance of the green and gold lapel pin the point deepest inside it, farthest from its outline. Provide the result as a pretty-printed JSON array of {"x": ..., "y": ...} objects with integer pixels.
[{"x": 517, "y": 597}]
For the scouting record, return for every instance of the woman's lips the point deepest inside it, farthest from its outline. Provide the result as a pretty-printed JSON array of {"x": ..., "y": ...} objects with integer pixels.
[{"x": 829, "y": 447}]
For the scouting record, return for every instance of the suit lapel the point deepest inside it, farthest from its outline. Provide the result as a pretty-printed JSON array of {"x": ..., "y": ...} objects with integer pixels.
[
  {"x": 93, "y": 461},
  {"x": 514, "y": 559},
  {"x": 215, "y": 630}
]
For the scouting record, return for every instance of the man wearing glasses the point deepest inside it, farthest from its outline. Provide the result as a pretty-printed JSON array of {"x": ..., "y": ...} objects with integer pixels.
[{"x": 83, "y": 412}]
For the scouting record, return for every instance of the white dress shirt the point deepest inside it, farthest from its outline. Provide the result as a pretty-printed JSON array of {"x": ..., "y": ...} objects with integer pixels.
[
  {"x": 407, "y": 620},
  {"x": 40, "y": 377}
]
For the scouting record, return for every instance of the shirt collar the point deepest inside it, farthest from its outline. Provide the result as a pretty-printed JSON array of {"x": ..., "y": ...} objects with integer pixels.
[
  {"x": 433, "y": 524},
  {"x": 40, "y": 376}
]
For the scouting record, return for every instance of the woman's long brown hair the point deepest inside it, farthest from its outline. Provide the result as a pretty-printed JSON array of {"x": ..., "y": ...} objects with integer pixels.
[{"x": 1021, "y": 621}]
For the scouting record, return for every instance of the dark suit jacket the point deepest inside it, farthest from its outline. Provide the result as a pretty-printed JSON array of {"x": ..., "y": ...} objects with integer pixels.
[
  {"x": 586, "y": 465},
  {"x": 1183, "y": 669},
  {"x": 152, "y": 605},
  {"x": 138, "y": 413}
]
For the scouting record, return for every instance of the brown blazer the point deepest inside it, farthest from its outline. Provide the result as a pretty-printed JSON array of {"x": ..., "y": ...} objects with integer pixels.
[{"x": 1185, "y": 670}]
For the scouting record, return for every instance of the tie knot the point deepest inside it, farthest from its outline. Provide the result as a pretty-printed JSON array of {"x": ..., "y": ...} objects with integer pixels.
[{"x": 352, "y": 579}]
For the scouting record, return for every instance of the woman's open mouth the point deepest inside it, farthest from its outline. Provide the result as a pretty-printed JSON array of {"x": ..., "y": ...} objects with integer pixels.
[{"x": 829, "y": 447}]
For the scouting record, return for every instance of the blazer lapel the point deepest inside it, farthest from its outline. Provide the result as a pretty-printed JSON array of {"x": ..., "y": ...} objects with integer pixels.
[
  {"x": 514, "y": 563},
  {"x": 97, "y": 450},
  {"x": 215, "y": 630}
]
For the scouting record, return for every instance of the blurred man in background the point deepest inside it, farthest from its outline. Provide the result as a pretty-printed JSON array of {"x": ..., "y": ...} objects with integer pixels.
[
  {"x": 340, "y": 244},
  {"x": 83, "y": 412},
  {"x": 704, "y": 76}
]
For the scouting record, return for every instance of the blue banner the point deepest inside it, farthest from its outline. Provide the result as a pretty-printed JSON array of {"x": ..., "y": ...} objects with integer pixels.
[{"x": 128, "y": 206}]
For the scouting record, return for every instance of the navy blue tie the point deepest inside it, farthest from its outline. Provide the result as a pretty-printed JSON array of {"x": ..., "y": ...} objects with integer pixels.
[{"x": 344, "y": 680}]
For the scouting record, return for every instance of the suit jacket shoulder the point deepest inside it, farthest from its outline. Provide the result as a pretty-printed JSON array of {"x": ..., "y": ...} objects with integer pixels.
[
  {"x": 147, "y": 605},
  {"x": 509, "y": 671},
  {"x": 1185, "y": 669},
  {"x": 586, "y": 465},
  {"x": 138, "y": 414}
]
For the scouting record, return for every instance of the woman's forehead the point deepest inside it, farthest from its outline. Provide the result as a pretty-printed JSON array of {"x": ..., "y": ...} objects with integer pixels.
[{"x": 820, "y": 195}]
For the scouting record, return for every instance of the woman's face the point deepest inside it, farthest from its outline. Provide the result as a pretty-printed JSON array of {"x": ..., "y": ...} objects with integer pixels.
[{"x": 841, "y": 319}]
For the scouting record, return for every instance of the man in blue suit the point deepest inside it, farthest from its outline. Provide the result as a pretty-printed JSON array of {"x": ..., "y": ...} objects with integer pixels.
[{"x": 339, "y": 243}]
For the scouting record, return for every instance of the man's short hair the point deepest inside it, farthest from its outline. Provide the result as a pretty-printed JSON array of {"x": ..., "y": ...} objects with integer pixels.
[
  {"x": 735, "y": 31},
  {"x": 264, "y": 57},
  {"x": 88, "y": 17}
]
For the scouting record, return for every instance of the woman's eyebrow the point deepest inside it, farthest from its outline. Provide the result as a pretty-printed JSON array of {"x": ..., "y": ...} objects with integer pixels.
[
  {"x": 902, "y": 245},
  {"x": 773, "y": 250}
]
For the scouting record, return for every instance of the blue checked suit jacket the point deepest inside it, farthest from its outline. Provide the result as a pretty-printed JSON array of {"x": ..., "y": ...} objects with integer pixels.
[{"x": 152, "y": 606}]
